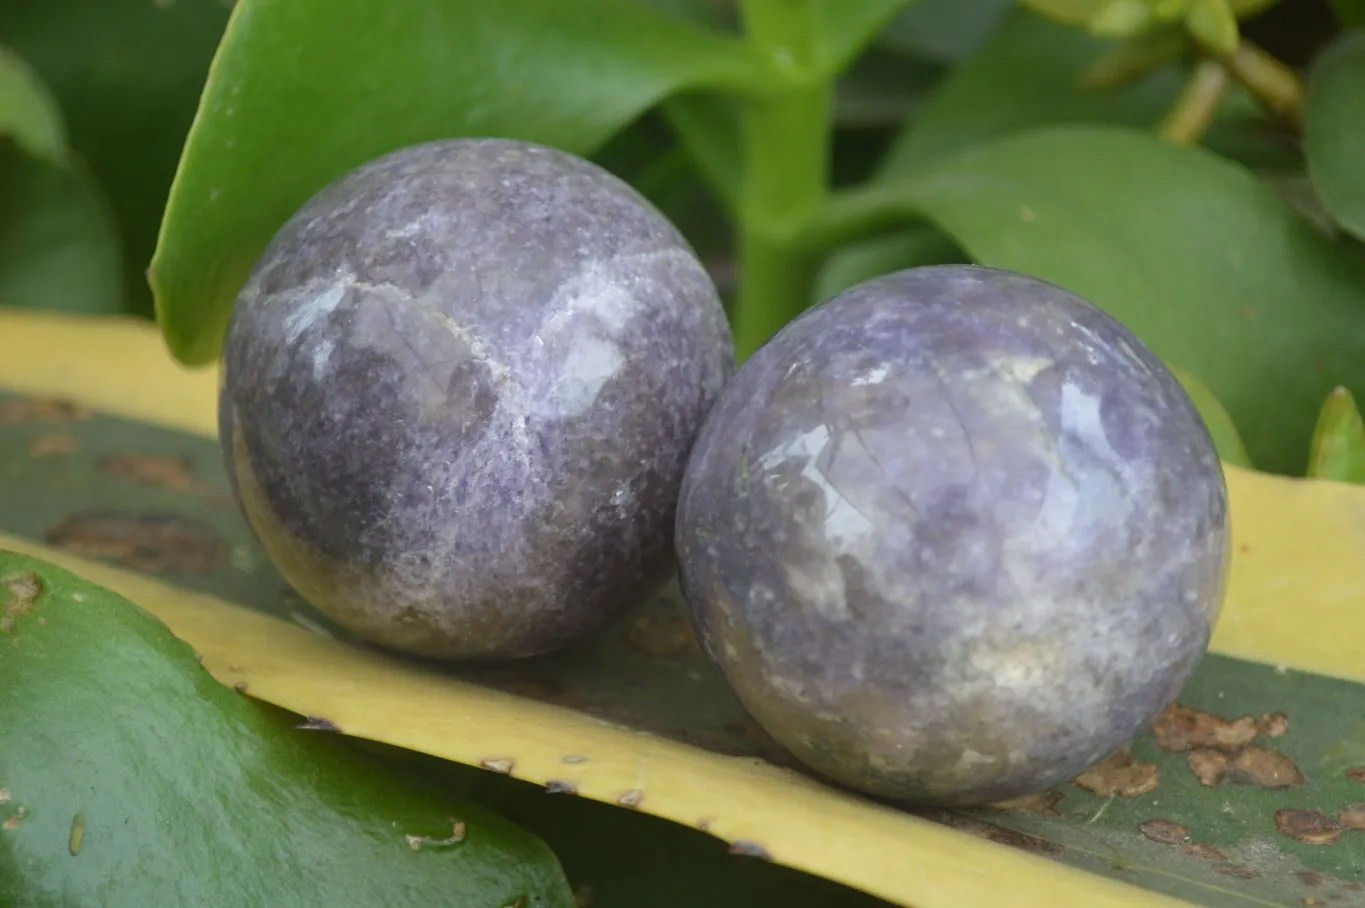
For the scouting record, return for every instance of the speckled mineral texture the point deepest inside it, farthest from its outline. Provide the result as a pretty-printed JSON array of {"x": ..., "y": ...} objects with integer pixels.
[
  {"x": 954, "y": 536},
  {"x": 459, "y": 391}
]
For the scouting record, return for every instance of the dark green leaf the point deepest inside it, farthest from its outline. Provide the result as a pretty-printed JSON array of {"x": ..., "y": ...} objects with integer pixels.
[
  {"x": 59, "y": 246},
  {"x": 846, "y": 27},
  {"x": 302, "y": 91},
  {"x": 28, "y": 113},
  {"x": 127, "y": 74},
  {"x": 882, "y": 89},
  {"x": 1338, "y": 449},
  {"x": 944, "y": 31},
  {"x": 140, "y": 780},
  {"x": 1029, "y": 74},
  {"x": 709, "y": 126},
  {"x": 1226, "y": 439},
  {"x": 911, "y": 248},
  {"x": 1213, "y": 271},
  {"x": 1334, "y": 130},
  {"x": 1350, "y": 13}
]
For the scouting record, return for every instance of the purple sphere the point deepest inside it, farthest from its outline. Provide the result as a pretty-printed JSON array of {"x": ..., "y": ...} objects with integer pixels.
[
  {"x": 459, "y": 391},
  {"x": 954, "y": 536}
]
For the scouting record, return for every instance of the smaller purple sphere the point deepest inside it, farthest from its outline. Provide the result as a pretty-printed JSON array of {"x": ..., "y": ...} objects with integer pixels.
[
  {"x": 954, "y": 536},
  {"x": 459, "y": 391}
]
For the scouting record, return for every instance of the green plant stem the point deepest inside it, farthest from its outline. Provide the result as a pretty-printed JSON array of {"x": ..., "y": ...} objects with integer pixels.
[
  {"x": 1194, "y": 110},
  {"x": 1271, "y": 82},
  {"x": 786, "y": 165}
]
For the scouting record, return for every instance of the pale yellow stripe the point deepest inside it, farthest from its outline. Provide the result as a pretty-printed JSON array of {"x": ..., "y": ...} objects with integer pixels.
[{"x": 801, "y": 823}]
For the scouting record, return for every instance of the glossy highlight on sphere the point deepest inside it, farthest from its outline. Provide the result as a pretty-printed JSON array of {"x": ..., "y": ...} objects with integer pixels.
[
  {"x": 954, "y": 536},
  {"x": 458, "y": 394}
]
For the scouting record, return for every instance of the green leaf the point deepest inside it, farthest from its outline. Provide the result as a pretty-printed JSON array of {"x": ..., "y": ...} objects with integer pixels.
[
  {"x": 1030, "y": 75},
  {"x": 1070, "y": 12},
  {"x": 846, "y": 27},
  {"x": 28, "y": 113},
  {"x": 1334, "y": 130},
  {"x": 127, "y": 74},
  {"x": 1226, "y": 439},
  {"x": 303, "y": 91},
  {"x": 944, "y": 31},
  {"x": 137, "y": 779},
  {"x": 1350, "y": 13},
  {"x": 59, "y": 245},
  {"x": 708, "y": 125},
  {"x": 1338, "y": 449},
  {"x": 1195, "y": 255},
  {"x": 920, "y": 245}
]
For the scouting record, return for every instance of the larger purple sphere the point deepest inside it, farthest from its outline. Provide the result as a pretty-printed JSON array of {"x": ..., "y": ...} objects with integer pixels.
[
  {"x": 459, "y": 391},
  {"x": 954, "y": 536}
]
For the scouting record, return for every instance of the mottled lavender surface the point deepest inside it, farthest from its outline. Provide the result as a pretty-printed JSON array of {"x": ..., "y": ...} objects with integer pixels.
[
  {"x": 954, "y": 536},
  {"x": 459, "y": 393}
]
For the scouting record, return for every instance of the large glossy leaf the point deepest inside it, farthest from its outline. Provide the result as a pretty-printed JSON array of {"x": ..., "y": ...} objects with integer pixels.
[
  {"x": 127, "y": 74},
  {"x": 1029, "y": 75},
  {"x": 1334, "y": 130},
  {"x": 1213, "y": 271},
  {"x": 635, "y": 718},
  {"x": 59, "y": 244},
  {"x": 133, "y": 778},
  {"x": 29, "y": 115},
  {"x": 304, "y": 90}
]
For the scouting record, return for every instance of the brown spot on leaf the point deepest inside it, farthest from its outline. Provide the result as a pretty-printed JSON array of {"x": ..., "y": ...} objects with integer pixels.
[
  {"x": 1178, "y": 728},
  {"x": 12, "y": 823},
  {"x": 41, "y": 409},
  {"x": 750, "y": 848},
  {"x": 1352, "y": 816},
  {"x": 1309, "y": 877},
  {"x": 240, "y": 687},
  {"x": 174, "y": 473},
  {"x": 23, "y": 590},
  {"x": 1164, "y": 832},
  {"x": 1204, "y": 852},
  {"x": 1248, "y": 313},
  {"x": 661, "y": 636},
  {"x": 572, "y": 759},
  {"x": 1119, "y": 775},
  {"x": 152, "y": 543},
  {"x": 1021, "y": 840},
  {"x": 1255, "y": 765},
  {"x": 500, "y": 765},
  {"x": 1241, "y": 871},
  {"x": 53, "y": 446},
  {"x": 1311, "y": 827},
  {"x": 1274, "y": 725},
  {"x": 1266, "y": 768},
  {"x": 457, "y": 834},
  {"x": 1357, "y": 774},
  {"x": 317, "y": 723},
  {"x": 1208, "y": 765},
  {"x": 5, "y": 796},
  {"x": 704, "y": 824},
  {"x": 557, "y": 786},
  {"x": 1043, "y": 804}
]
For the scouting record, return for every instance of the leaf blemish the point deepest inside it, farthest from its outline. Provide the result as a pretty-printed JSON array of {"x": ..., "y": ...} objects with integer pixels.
[
  {"x": 750, "y": 848},
  {"x": 318, "y": 723},
  {"x": 77, "y": 837},
  {"x": 631, "y": 798},
  {"x": 556, "y": 786},
  {"x": 501, "y": 765},
  {"x": 1164, "y": 832},
  {"x": 1311, "y": 827},
  {"x": 458, "y": 831},
  {"x": 1119, "y": 775}
]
